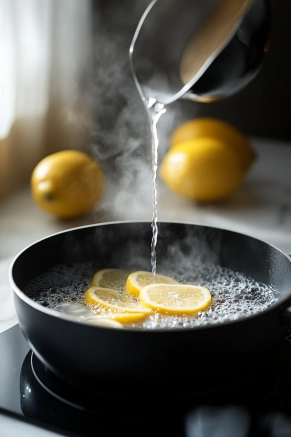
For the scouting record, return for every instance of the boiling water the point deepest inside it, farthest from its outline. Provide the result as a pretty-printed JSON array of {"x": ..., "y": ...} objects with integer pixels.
[{"x": 234, "y": 295}]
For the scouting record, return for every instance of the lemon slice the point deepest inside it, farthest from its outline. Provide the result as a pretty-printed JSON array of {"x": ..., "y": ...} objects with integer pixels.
[
  {"x": 105, "y": 322},
  {"x": 110, "y": 278},
  {"x": 114, "y": 300},
  {"x": 175, "y": 298},
  {"x": 122, "y": 317},
  {"x": 140, "y": 279},
  {"x": 125, "y": 318}
]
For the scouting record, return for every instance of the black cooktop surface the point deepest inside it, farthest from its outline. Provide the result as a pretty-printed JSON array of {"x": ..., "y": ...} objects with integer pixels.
[{"x": 254, "y": 406}]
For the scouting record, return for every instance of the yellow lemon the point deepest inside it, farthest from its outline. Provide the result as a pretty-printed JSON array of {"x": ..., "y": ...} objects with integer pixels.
[
  {"x": 217, "y": 129},
  {"x": 113, "y": 300},
  {"x": 67, "y": 183},
  {"x": 139, "y": 279},
  {"x": 178, "y": 299},
  {"x": 204, "y": 169},
  {"x": 110, "y": 278}
]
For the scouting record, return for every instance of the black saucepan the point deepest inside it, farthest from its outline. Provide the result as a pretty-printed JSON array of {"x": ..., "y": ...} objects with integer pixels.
[{"x": 101, "y": 357}]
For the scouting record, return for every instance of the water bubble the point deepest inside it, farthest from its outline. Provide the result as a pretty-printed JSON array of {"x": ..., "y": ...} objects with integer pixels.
[{"x": 234, "y": 295}]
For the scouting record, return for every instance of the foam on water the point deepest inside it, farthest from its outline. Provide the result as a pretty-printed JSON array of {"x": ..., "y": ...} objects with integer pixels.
[{"x": 234, "y": 295}]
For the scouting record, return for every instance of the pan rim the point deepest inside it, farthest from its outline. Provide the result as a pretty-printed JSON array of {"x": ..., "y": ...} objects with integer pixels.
[{"x": 51, "y": 312}]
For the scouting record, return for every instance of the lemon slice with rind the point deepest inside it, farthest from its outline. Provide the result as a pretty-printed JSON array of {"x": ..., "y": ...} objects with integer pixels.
[
  {"x": 110, "y": 278},
  {"x": 114, "y": 300},
  {"x": 136, "y": 281},
  {"x": 178, "y": 299},
  {"x": 105, "y": 322},
  {"x": 126, "y": 318},
  {"x": 122, "y": 317}
]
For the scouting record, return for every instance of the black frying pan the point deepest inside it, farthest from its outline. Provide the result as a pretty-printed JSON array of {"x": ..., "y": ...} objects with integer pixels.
[{"x": 99, "y": 357}]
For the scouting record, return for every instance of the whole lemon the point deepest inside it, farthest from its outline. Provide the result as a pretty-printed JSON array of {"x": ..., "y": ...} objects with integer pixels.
[
  {"x": 215, "y": 128},
  {"x": 204, "y": 169},
  {"x": 67, "y": 184}
]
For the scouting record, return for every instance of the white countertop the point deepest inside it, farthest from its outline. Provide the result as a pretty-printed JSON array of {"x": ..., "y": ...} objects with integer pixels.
[{"x": 261, "y": 207}]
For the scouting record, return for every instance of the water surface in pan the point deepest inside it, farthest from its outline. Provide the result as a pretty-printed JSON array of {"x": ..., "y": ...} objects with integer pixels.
[{"x": 234, "y": 295}]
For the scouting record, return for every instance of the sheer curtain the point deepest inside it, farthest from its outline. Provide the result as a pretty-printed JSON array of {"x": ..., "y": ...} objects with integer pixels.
[{"x": 45, "y": 52}]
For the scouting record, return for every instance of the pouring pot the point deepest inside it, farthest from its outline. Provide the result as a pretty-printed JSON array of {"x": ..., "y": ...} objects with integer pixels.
[
  {"x": 95, "y": 357},
  {"x": 203, "y": 50}
]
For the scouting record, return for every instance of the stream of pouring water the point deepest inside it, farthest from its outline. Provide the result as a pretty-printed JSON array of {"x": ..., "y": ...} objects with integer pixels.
[{"x": 154, "y": 109}]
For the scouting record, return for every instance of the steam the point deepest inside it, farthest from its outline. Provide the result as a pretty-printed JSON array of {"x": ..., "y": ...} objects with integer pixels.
[{"x": 121, "y": 137}]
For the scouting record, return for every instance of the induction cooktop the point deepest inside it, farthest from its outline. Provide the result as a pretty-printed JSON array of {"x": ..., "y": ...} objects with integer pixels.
[{"x": 255, "y": 406}]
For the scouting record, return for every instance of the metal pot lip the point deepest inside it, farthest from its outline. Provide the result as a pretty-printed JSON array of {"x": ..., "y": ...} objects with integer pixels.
[{"x": 54, "y": 313}]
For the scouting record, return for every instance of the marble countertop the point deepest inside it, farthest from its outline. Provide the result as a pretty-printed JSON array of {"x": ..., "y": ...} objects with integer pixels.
[{"x": 261, "y": 207}]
